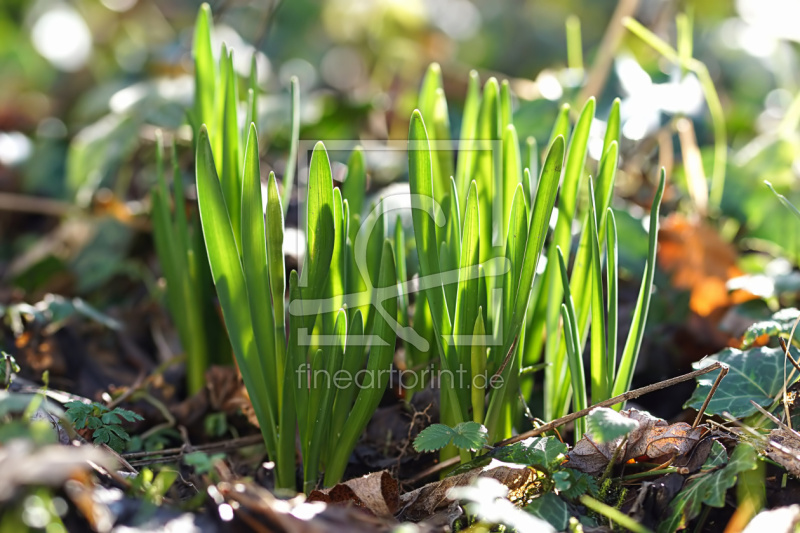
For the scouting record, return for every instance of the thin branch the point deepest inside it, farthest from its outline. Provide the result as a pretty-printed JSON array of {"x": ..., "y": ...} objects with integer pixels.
[{"x": 630, "y": 395}]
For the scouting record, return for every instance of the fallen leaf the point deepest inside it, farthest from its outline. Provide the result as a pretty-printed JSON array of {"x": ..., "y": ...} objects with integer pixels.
[
  {"x": 425, "y": 501},
  {"x": 653, "y": 438},
  {"x": 377, "y": 493},
  {"x": 783, "y": 447}
]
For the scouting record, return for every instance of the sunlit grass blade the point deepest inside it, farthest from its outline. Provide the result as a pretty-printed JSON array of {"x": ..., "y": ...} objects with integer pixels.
[
  {"x": 467, "y": 299},
  {"x": 277, "y": 269},
  {"x": 443, "y": 154},
  {"x": 531, "y": 172},
  {"x": 542, "y": 210},
  {"x": 451, "y": 246},
  {"x": 469, "y": 123},
  {"x": 231, "y": 177},
  {"x": 320, "y": 233},
  {"x": 291, "y": 160},
  {"x": 335, "y": 288},
  {"x": 562, "y": 237},
  {"x": 612, "y": 126},
  {"x": 516, "y": 238},
  {"x": 205, "y": 70},
  {"x": 512, "y": 171},
  {"x": 324, "y": 388},
  {"x": 601, "y": 381},
  {"x": 402, "y": 277},
  {"x": 505, "y": 105},
  {"x": 254, "y": 264},
  {"x": 226, "y": 269},
  {"x": 561, "y": 126},
  {"x": 173, "y": 253},
  {"x": 297, "y": 360},
  {"x": 478, "y": 363},
  {"x": 630, "y": 353},
  {"x": 377, "y": 221},
  {"x": 354, "y": 358},
  {"x": 355, "y": 184},
  {"x": 433, "y": 106},
  {"x": 423, "y": 215},
  {"x": 574, "y": 350},
  {"x": 378, "y": 365},
  {"x": 782, "y": 199},
  {"x": 612, "y": 281},
  {"x": 487, "y": 166}
]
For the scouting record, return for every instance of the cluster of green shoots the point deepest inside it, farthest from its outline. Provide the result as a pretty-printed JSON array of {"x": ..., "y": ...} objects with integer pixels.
[
  {"x": 482, "y": 218},
  {"x": 289, "y": 380},
  {"x": 495, "y": 315}
]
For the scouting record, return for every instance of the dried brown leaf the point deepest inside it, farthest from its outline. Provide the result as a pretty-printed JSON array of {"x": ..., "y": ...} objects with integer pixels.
[
  {"x": 425, "y": 501},
  {"x": 654, "y": 439},
  {"x": 378, "y": 493}
]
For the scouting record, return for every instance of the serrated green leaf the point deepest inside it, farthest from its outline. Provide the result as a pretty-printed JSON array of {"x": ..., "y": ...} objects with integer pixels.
[
  {"x": 469, "y": 436},
  {"x": 542, "y": 453},
  {"x": 432, "y": 438},
  {"x": 756, "y": 374},
  {"x": 708, "y": 489},
  {"x": 580, "y": 483},
  {"x": 466, "y": 436},
  {"x": 604, "y": 425},
  {"x": 780, "y": 323},
  {"x": 550, "y": 508}
]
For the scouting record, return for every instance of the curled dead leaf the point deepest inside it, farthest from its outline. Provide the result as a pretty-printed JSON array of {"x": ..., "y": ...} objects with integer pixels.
[
  {"x": 425, "y": 501},
  {"x": 377, "y": 493},
  {"x": 653, "y": 438}
]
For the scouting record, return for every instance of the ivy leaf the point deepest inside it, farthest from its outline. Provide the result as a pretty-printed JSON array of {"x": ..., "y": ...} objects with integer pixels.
[
  {"x": 781, "y": 322},
  {"x": 755, "y": 374},
  {"x": 466, "y": 435},
  {"x": 550, "y": 508},
  {"x": 708, "y": 489},
  {"x": 605, "y": 425}
]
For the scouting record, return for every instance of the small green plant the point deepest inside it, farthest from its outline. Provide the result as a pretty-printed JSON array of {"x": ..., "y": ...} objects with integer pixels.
[
  {"x": 153, "y": 487},
  {"x": 476, "y": 284},
  {"x": 104, "y": 423},
  {"x": 469, "y": 436}
]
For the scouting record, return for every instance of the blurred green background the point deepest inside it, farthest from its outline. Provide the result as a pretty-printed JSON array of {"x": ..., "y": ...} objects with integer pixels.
[{"x": 85, "y": 83}]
